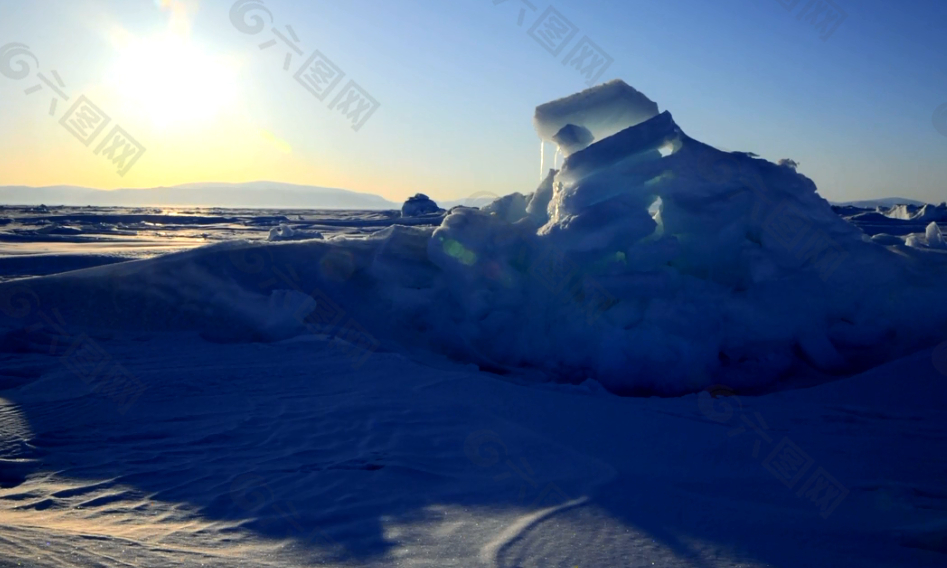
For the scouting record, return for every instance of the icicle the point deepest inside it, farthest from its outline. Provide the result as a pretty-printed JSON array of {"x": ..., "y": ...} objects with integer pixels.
[{"x": 542, "y": 159}]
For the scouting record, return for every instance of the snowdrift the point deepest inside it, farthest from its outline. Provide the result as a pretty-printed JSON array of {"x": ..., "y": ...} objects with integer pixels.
[{"x": 651, "y": 262}]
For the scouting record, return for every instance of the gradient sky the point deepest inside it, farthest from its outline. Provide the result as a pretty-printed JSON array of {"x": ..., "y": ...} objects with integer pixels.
[{"x": 457, "y": 82}]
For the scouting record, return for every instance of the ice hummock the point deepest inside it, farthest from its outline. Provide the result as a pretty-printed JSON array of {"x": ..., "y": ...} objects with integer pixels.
[
  {"x": 418, "y": 205},
  {"x": 934, "y": 236},
  {"x": 650, "y": 263},
  {"x": 919, "y": 213},
  {"x": 573, "y": 138},
  {"x": 576, "y": 121}
]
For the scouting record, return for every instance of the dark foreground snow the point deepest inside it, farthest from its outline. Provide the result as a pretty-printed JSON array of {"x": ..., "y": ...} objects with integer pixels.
[{"x": 282, "y": 454}]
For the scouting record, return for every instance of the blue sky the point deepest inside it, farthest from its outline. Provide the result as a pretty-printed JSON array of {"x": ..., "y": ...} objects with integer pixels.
[{"x": 457, "y": 82}]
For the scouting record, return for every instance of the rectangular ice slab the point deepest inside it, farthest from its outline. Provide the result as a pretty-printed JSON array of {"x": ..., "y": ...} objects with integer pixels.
[{"x": 604, "y": 110}]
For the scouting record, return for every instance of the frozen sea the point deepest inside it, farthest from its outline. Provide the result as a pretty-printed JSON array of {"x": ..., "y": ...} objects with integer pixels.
[
  {"x": 195, "y": 451},
  {"x": 43, "y": 240},
  {"x": 664, "y": 355}
]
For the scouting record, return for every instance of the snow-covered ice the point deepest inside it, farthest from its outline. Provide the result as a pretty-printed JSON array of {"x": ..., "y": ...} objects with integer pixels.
[
  {"x": 41, "y": 241},
  {"x": 439, "y": 388},
  {"x": 934, "y": 236},
  {"x": 650, "y": 271},
  {"x": 286, "y": 232},
  {"x": 922, "y": 213}
]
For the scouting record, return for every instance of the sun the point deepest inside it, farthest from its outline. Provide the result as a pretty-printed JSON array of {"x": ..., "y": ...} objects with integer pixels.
[{"x": 173, "y": 81}]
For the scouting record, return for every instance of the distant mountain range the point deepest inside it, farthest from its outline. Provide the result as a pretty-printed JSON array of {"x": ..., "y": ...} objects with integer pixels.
[
  {"x": 259, "y": 195},
  {"x": 255, "y": 195}
]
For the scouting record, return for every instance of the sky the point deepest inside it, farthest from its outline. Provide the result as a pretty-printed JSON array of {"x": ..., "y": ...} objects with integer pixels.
[{"x": 451, "y": 85}]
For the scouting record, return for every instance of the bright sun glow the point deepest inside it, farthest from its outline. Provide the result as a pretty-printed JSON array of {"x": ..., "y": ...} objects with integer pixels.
[{"x": 172, "y": 81}]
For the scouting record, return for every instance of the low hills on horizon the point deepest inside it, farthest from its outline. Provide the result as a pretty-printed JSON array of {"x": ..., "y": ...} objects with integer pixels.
[{"x": 253, "y": 195}]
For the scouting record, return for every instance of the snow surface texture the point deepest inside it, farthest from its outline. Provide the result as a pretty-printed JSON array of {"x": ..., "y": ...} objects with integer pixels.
[
  {"x": 743, "y": 275},
  {"x": 282, "y": 455}
]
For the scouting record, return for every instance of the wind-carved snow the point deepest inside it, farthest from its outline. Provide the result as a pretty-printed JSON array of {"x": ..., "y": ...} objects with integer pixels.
[{"x": 651, "y": 263}]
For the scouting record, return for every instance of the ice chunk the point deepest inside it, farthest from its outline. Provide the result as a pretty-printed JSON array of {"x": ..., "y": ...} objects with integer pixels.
[
  {"x": 904, "y": 212},
  {"x": 510, "y": 208},
  {"x": 600, "y": 112},
  {"x": 935, "y": 239},
  {"x": 932, "y": 213},
  {"x": 573, "y": 138},
  {"x": 920, "y": 213},
  {"x": 281, "y": 233},
  {"x": 419, "y": 205},
  {"x": 538, "y": 207},
  {"x": 932, "y": 238},
  {"x": 286, "y": 233}
]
